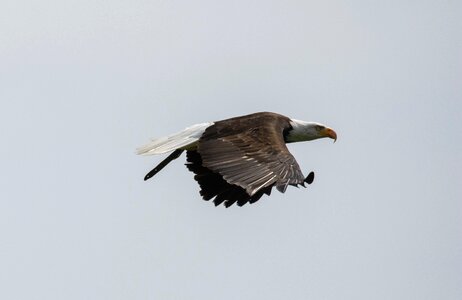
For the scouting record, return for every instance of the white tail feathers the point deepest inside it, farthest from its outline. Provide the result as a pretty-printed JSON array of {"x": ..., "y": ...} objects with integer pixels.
[{"x": 180, "y": 140}]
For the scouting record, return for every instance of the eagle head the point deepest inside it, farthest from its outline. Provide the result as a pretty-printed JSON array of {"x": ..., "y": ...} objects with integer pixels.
[{"x": 307, "y": 131}]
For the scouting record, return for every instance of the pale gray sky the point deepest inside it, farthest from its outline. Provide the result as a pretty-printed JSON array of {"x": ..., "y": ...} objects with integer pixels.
[{"x": 83, "y": 83}]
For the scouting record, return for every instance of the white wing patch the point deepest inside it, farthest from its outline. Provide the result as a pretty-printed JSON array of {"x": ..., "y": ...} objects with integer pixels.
[{"x": 180, "y": 140}]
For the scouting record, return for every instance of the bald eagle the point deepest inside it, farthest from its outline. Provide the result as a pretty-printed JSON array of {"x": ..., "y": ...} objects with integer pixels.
[{"x": 238, "y": 160}]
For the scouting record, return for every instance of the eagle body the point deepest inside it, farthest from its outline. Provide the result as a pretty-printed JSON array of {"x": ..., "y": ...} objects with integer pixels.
[{"x": 237, "y": 160}]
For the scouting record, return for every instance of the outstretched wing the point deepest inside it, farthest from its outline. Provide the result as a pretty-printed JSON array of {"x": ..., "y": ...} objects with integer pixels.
[{"x": 253, "y": 158}]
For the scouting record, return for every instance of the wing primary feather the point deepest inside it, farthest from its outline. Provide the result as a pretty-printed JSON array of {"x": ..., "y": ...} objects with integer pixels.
[
  {"x": 255, "y": 190},
  {"x": 282, "y": 187},
  {"x": 310, "y": 178},
  {"x": 174, "y": 155}
]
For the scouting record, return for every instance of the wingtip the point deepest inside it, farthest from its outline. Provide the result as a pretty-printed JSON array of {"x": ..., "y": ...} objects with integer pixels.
[{"x": 310, "y": 178}]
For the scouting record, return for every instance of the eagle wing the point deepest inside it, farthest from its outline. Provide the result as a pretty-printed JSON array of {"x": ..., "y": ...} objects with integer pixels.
[{"x": 255, "y": 158}]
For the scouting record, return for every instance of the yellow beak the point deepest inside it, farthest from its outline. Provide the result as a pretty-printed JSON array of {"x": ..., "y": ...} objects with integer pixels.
[{"x": 328, "y": 132}]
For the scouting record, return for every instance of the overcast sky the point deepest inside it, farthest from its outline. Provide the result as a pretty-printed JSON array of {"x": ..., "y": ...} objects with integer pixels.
[{"x": 83, "y": 83}]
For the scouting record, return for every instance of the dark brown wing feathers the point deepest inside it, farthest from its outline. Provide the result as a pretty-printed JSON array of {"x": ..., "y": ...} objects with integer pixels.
[
  {"x": 213, "y": 185},
  {"x": 240, "y": 159}
]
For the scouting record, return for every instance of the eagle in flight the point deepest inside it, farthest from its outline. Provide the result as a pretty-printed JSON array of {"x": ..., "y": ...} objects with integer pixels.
[{"x": 238, "y": 160}]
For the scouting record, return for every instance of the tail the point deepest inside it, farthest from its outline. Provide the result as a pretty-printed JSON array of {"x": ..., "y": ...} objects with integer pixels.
[{"x": 180, "y": 140}]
